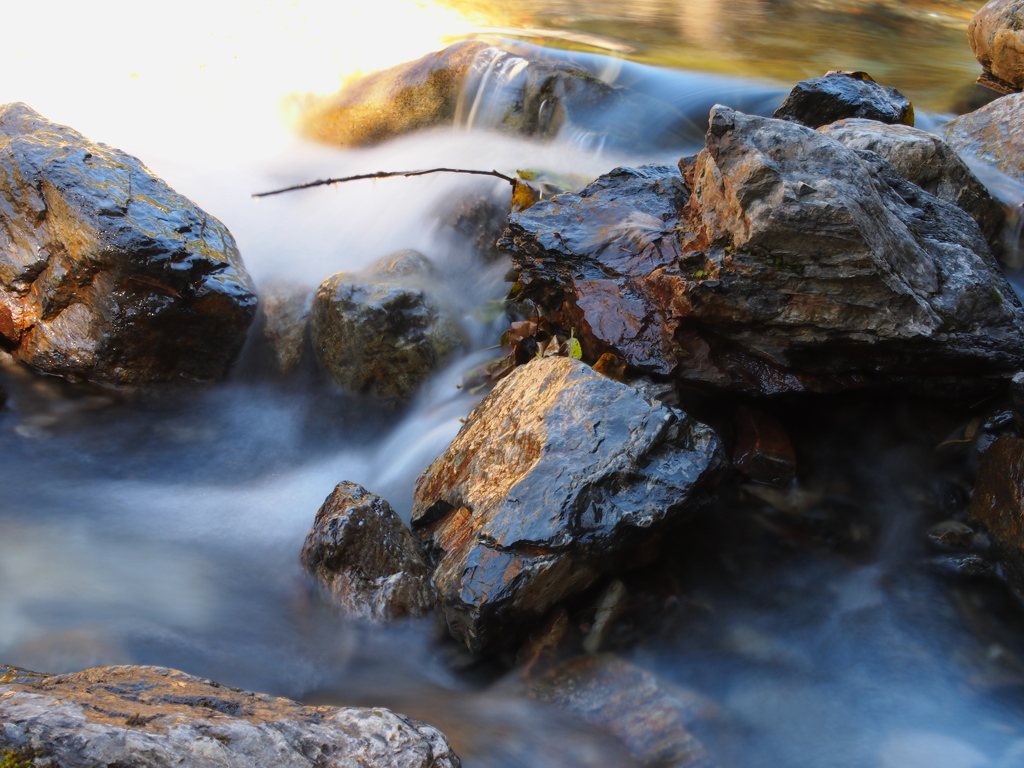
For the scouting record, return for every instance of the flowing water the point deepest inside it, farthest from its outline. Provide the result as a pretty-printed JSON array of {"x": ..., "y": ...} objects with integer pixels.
[{"x": 167, "y": 531}]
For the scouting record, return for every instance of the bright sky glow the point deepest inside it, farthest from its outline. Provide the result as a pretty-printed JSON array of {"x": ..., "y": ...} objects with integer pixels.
[{"x": 96, "y": 65}]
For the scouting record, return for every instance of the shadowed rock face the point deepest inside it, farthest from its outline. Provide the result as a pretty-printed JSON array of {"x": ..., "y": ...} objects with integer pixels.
[
  {"x": 556, "y": 478},
  {"x": 996, "y": 35},
  {"x": 998, "y": 504},
  {"x": 106, "y": 273},
  {"x": 366, "y": 557},
  {"x": 150, "y": 717},
  {"x": 779, "y": 261},
  {"x": 379, "y": 332},
  {"x": 839, "y": 95}
]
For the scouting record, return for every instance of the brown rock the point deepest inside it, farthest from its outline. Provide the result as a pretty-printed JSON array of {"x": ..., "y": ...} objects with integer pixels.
[
  {"x": 998, "y": 504},
  {"x": 106, "y": 273},
  {"x": 286, "y": 308},
  {"x": 152, "y": 717},
  {"x": 993, "y": 134},
  {"x": 996, "y": 35},
  {"x": 556, "y": 478},
  {"x": 366, "y": 557}
]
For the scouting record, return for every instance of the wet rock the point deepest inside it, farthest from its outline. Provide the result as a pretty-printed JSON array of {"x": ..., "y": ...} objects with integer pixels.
[
  {"x": 480, "y": 85},
  {"x": 366, "y": 557},
  {"x": 379, "y": 332},
  {"x": 925, "y": 160},
  {"x": 106, "y": 273},
  {"x": 998, "y": 504},
  {"x": 629, "y": 703},
  {"x": 763, "y": 451},
  {"x": 839, "y": 95},
  {"x": 794, "y": 264},
  {"x": 556, "y": 478},
  {"x": 996, "y": 35},
  {"x": 1017, "y": 400},
  {"x": 286, "y": 308},
  {"x": 151, "y": 716},
  {"x": 478, "y": 223},
  {"x": 993, "y": 134}
]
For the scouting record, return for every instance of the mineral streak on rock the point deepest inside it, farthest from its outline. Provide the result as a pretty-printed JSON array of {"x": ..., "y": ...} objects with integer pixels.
[
  {"x": 555, "y": 479},
  {"x": 779, "y": 261},
  {"x": 106, "y": 273},
  {"x": 366, "y": 557},
  {"x": 152, "y": 717}
]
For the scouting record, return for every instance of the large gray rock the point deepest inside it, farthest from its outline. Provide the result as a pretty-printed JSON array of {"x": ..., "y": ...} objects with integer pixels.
[
  {"x": 152, "y": 717},
  {"x": 106, "y": 273},
  {"x": 926, "y": 160},
  {"x": 366, "y": 557},
  {"x": 784, "y": 261},
  {"x": 380, "y": 332},
  {"x": 996, "y": 35},
  {"x": 557, "y": 476}
]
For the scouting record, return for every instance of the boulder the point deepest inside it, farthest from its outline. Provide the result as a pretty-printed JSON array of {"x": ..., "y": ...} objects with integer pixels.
[
  {"x": 557, "y": 477},
  {"x": 996, "y": 35},
  {"x": 839, "y": 95},
  {"x": 993, "y": 134},
  {"x": 927, "y": 161},
  {"x": 475, "y": 84},
  {"x": 106, "y": 273},
  {"x": 151, "y": 717},
  {"x": 998, "y": 504},
  {"x": 782, "y": 262},
  {"x": 366, "y": 557},
  {"x": 379, "y": 332}
]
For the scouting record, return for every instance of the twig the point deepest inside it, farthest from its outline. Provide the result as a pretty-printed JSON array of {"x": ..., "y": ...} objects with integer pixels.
[{"x": 385, "y": 175}]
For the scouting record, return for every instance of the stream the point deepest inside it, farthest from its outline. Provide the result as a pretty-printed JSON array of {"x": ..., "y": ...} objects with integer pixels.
[{"x": 166, "y": 530}]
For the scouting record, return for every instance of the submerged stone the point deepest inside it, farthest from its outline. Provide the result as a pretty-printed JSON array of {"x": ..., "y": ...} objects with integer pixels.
[
  {"x": 998, "y": 504},
  {"x": 839, "y": 95},
  {"x": 380, "y": 332},
  {"x": 151, "y": 717},
  {"x": 780, "y": 260},
  {"x": 366, "y": 557},
  {"x": 557, "y": 477},
  {"x": 106, "y": 273}
]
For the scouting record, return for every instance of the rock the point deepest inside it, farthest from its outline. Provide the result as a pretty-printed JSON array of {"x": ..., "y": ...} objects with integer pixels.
[
  {"x": 478, "y": 85},
  {"x": 378, "y": 332},
  {"x": 763, "y": 451},
  {"x": 795, "y": 264},
  {"x": 996, "y": 35},
  {"x": 408, "y": 97},
  {"x": 286, "y": 308},
  {"x": 150, "y": 717},
  {"x": 366, "y": 557},
  {"x": 558, "y": 475},
  {"x": 477, "y": 223},
  {"x": 106, "y": 273},
  {"x": 993, "y": 134},
  {"x": 629, "y": 703},
  {"x": 839, "y": 95},
  {"x": 998, "y": 504},
  {"x": 925, "y": 160}
]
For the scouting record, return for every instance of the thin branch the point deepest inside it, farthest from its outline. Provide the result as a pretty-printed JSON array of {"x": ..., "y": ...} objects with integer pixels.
[{"x": 385, "y": 175}]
